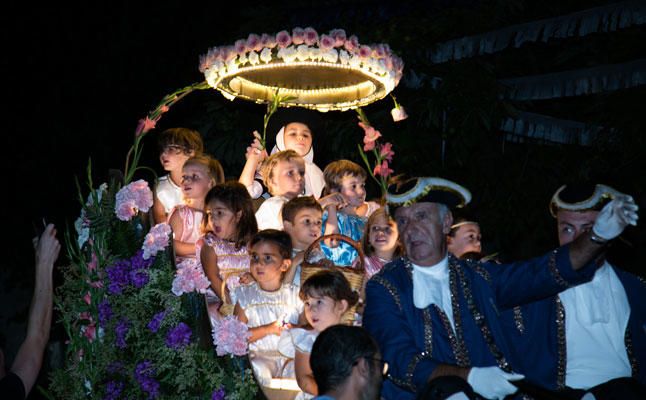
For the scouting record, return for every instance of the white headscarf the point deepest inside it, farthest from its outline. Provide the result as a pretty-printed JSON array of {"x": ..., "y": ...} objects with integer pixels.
[{"x": 280, "y": 146}]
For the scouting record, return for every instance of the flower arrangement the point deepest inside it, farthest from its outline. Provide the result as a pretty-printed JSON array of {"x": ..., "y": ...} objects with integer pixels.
[
  {"x": 302, "y": 47},
  {"x": 133, "y": 332},
  {"x": 230, "y": 336},
  {"x": 383, "y": 153}
]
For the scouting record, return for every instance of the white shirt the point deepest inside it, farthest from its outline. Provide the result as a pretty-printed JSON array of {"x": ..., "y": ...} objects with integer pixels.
[
  {"x": 168, "y": 193},
  {"x": 596, "y": 316},
  {"x": 431, "y": 286},
  {"x": 269, "y": 214}
]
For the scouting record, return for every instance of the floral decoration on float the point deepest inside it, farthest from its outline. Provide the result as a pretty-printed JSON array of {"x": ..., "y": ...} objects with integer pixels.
[{"x": 323, "y": 72}]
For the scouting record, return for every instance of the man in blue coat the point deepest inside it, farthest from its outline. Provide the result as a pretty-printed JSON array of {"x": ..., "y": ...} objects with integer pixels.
[
  {"x": 435, "y": 316},
  {"x": 594, "y": 332}
]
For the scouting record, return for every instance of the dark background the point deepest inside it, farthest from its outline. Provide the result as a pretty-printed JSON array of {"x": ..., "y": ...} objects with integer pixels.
[{"x": 78, "y": 77}]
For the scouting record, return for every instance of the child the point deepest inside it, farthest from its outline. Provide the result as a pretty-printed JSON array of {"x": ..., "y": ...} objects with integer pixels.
[
  {"x": 345, "y": 214},
  {"x": 229, "y": 225},
  {"x": 283, "y": 173},
  {"x": 176, "y": 145},
  {"x": 302, "y": 220},
  {"x": 380, "y": 242},
  {"x": 295, "y": 136},
  {"x": 199, "y": 175},
  {"x": 268, "y": 306},
  {"x": 327, "y": 295}
]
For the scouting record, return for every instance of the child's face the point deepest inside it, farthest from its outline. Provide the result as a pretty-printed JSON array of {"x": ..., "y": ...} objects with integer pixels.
[
  {"x": 196, "y": 181},
  {"x": 172, "y": 157},
  {"x": 306, "y": 227},
  {"x": 222, "y": 220},
  {"x": 353, "y": 189},
  {"x": 298, "y": 137},
  {"x": 323, "y": 312},
  {"x": 288, "y": 178},
  {"x": 267, "y": 265},
  {"x": 383, "y": 236}
]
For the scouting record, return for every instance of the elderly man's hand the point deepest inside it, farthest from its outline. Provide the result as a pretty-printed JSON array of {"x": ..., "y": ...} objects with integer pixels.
[{"x": 615, "y": 217}]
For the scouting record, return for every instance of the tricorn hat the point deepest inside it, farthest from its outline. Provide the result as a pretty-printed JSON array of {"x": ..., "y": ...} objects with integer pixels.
[
  {"x": 427, "y": 189},
  {"x": 581, "y": 197}
]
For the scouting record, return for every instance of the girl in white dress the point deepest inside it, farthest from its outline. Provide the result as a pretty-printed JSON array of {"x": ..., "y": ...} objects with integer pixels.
[
  {"x": 327, "y": 295},
  {"x": 268, "y": 306}
]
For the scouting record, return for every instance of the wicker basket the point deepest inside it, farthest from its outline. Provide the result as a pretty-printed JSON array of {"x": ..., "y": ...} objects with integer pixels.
[
  {"x": 355, "y": 274},
  {"x": 226, "y": 308}
]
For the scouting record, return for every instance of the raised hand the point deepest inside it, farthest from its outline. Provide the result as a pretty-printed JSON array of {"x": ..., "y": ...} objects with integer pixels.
[{"x": 615, "y": 217}]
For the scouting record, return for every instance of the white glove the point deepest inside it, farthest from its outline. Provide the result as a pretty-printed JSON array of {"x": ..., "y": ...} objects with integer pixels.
[
  {"x": 615, "y": 217},
  {"x": 492, "y": 382}
]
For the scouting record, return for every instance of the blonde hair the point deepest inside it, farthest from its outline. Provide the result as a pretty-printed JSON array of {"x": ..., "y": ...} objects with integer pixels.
[
  {"x": 213, "y": 166},
  {"x": 267, "y": 167}
]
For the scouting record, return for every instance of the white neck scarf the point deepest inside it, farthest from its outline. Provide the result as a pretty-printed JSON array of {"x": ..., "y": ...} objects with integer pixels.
[{"x": 431, "y": 286}]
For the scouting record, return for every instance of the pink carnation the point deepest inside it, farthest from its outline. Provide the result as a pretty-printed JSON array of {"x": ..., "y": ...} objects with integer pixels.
[
  {"x": 240, "y": 46},
  {"x": 268, "y": 41},
  {"x": 382, "y": 169},
  {"x": 298, "y": 36},
  {"x": 311, "y": 36},
  {"x": 283, "y": 39},
  {"x": 339, "y": 37},
  {"x": 352, "y": 44},
  {"x": 365, "y": 51},
  {"x": 253, "y": 42},
  {"x": 370, "y": 137},
  {"x": 189, "y": 277},
  {"x": 157, "y": 239},
  {"x": 230, "y": 336},
  {"x": 133, "y": 198},
  {"x": 327, "y": 42}
]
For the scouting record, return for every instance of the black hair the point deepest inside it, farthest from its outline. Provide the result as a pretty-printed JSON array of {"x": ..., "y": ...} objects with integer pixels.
[{"x": 279, "y": 238}]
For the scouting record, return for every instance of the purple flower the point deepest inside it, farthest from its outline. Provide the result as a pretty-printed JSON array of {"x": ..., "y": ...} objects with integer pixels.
[
  {"x": 218, "y": 394},
  {"x": 283, "y": 39},
  {"x": 120, "y": 331},
  {"x": 311, "y": 36},
  {"x": 156, "y": 321},
  {"x": 113, "y": 390},
  {"x": 139, "y": 262},
  {"x": 139, "y": 278},
  {"x": 105, "y": 312},
  {"x": 144, "y": 373},
  {"x": 327, "y": 42},
  {"x": 179, "y": 336},
  {"x": 118, "y": 276},
  {"x": 298, "y": 36}
]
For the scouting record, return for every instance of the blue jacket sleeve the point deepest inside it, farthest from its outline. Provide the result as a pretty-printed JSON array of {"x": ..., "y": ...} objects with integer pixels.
[
  {"x": 524, "y": 282},
  {"x": 409, "y": 365}
]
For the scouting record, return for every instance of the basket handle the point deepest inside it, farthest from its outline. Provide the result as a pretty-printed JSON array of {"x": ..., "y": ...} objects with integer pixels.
[
  {"x": 343, "y": 238},
  {"x": 224, "y": 282}
]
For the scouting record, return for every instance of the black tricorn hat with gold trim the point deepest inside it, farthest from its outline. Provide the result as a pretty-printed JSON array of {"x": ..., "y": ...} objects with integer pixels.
[
  {"x": 426, "y": 189},
  {"x": 581, "y": 197}
]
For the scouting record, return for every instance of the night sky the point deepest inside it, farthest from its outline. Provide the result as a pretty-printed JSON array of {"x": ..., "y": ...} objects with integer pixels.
[{"x": 78, "y": 77}]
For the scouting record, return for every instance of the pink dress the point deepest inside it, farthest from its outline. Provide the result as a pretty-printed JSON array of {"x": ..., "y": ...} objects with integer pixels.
[
  {"x": 373, "y": 264},
  {"x": 191, "y": 222}
]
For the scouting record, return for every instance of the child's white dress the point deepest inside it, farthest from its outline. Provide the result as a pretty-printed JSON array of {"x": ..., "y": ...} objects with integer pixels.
[
  {"x": 261, "y": 308},
  {"x": 168, "y": 193}
]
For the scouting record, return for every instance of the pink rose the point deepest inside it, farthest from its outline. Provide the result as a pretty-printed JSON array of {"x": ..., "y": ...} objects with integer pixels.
[
  {"x": 230, "y": 54},
  {"x": 298, "y": 36},
  {"x": 311, "y": 36},
  {"x": 253, "y": 42},
  {"x": 283, "y": 39},
  {"x": 352, "y": 44},
  {"x": 240, "y": 46},
  {"x": 365, "y": 51},
  {"x": 268, "y": 41},
  {"x": 339, "y": 37},
  {"x": 379, "y": 51},
  {"x": 327, "y": 42},
  {"x": 398, "y": 114},
  {"x": 382, "y": 169}
]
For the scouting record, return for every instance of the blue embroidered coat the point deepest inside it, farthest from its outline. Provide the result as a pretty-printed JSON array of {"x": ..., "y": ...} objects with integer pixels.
[
  {"x": 539, "y": 333},
  {"x": 414, "y": 341}
]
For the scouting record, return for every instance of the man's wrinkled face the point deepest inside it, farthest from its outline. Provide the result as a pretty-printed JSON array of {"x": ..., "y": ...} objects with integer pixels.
[
  {"x": 571, "y": 224},
  {"x": 422, "y": 230}
]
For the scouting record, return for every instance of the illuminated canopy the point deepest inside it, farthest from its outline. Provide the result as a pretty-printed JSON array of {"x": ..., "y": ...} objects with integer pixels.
[{"x": 330, "y": 72}]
